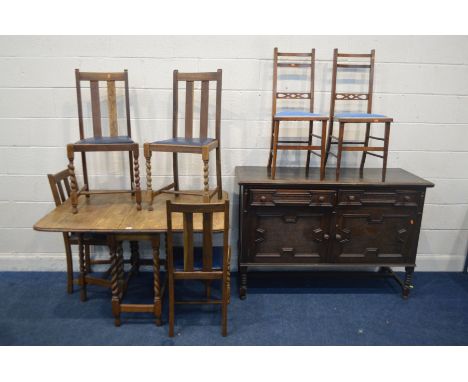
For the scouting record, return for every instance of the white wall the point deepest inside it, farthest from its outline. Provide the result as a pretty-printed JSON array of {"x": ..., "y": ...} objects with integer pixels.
[{"x": 421, "y": 81}]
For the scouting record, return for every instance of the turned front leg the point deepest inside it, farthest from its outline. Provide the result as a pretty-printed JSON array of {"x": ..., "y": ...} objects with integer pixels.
[
  {"x": 149, "y": 180},
  {"x": 408, "y": 281},
  {"x": 81, "y": 258},
  {"x": 73, "y": 182},
  {"x": 206, "y": 191},
  {"x": 136, "y": 169}
]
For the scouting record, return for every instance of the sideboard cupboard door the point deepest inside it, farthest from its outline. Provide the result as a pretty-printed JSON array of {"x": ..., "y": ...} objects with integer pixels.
[
  {"x": 374, "y": 235},
  {"x": 280, "y": 235}
]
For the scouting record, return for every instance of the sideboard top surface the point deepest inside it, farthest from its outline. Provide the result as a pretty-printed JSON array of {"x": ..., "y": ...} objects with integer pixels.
[{"x": 258, "y": 175}]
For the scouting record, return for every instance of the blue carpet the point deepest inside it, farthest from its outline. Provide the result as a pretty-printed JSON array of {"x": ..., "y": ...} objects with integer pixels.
[{"x": 288, "y": 309}]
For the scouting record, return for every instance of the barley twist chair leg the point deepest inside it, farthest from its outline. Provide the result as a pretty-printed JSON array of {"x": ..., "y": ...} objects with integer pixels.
[
  {"x": 218, "y": 173},
  {"x": 73, "y": 182},
  {"x": 136, "y": 166},
  {"x": 149, "y": 180},
  {"x": 206, "y": 191}
]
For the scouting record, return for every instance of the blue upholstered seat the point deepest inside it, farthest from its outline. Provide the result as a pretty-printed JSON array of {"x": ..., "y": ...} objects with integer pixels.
[
  {"x": 296, "y": 113},
  {"x": 197, "y": 258},
  {"x": 359, "y": 115},
  {"x": 105, "y": 140},
  {"x": 186, "y": 141}
]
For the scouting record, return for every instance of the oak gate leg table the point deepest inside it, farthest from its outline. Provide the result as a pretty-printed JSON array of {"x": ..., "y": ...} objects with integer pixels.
[
  {"x": 297, "y": 220},
  {"x": 115, "y": 216}
]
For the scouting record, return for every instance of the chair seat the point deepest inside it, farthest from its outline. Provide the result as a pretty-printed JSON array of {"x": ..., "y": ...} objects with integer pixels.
[
  {"x": 105, "y": 140},
  {"x": 180, "y": 141},
  {"x": 178, "y": 253},
  {"x": 296, "y": 113},
  {"x": 359, "y": 115}
]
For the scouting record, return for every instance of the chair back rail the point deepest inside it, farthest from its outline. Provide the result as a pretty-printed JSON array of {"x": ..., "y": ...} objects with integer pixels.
[
  {"x": 94, "y": 80},
  {"x": 289, "y": 64},
  {"x": 60, "y": 186},
  {"x": 190, "y": 79},
  {"x": 352, "y": 96},
  {"x": 188, "y": 210}
]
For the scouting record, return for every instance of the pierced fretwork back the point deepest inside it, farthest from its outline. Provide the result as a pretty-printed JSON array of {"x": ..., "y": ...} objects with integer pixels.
[
  {"x": 94, "y": 80},
  {"x": 60, "y": 186},
  {"x": 352, "y": 61},
  {"x": 190, "y": 79},
  {"x": 188, "y": 212},
  {"x": 302, "y": 60}
]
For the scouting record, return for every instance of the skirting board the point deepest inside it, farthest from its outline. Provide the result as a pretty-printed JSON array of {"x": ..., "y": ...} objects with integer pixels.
[{"x": 48, "y": 262}]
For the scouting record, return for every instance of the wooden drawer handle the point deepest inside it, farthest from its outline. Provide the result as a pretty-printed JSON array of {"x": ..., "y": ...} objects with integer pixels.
[
  {"x": 321, "y": 198},
  {"x": 338, "y": 236},
  {"x": 326, "y": 236},
  {"x": 351, "y": 197},
  {"x": 407, "y": 198},
  {"x": 263, "y": 198}
]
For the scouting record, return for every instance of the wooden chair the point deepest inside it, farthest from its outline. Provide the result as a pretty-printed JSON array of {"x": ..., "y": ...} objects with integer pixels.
[
  {"x": 306, "y": 60},
  {"x": 98, "y": 142},
  {"x": 208, "y": 270},
  {"x": 354, "y": 61},
  {"x": 61, "y": 190},
  {"x": 188, "y": 143}
]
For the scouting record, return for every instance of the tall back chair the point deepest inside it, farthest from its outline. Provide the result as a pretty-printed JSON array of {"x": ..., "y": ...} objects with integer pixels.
[
  {"x": 187, "y": 142},
  {"x": 343, "y": 62},
  {"x": 99, "y": 141},
  {"x": 209, "y": 267},
  {"x": 301, "y": 60}
]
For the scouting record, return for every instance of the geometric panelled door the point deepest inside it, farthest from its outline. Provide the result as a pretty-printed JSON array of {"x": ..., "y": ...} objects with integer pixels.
[
  {"x": 107, "y": 139},
  {"x": 345, "y": 68}
]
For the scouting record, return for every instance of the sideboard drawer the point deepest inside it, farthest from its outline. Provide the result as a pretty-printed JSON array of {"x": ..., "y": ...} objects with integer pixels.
[
  {"x": 408, "y": 198},
  {"x": 269, "y": 198}
]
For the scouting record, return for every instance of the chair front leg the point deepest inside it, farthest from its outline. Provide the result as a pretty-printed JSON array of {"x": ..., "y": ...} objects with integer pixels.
[
  {"x": 136, "y": 166},
  {"x": 73, "y": 183},
  {"x": 206, "y": 190},
  {"x": 385, "y": 153},
  {"x": 149, "y": 181},
  {"x": 340, "y": 150},
  {"x": 364, "y": 152},
  {"x": 309, "y": 142},
  {"x": 322, "y": 150},
  {"x": 275, "y": 148}
]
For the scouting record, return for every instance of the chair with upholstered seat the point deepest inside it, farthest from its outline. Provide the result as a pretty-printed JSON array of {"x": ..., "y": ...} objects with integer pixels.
[
  {"x": 207, "y": 265},
  {"x": 98, "y": 142},
  {"x": 352, "y": 64},
  {"x": 61, "y": 190},
  {"x": 301, "y": 60},
  {"x": 187, "y": 143}
]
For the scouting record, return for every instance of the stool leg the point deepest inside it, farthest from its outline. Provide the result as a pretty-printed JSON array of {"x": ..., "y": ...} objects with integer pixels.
[
  {"x": 311, "y": 131},
  {"x": 206, "y": 190},
  {"x": 136, "y": 166},
  {"x": 364, "y": 153},
  {"x": 385, "y": 153},
  {"x": 322, "y": 150},
  {"x": 149, "y": 181},
  {"x": 275, "y": 149},
  {"x": 340, "y": 150},
  {"x": 73, "y": 183}
]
